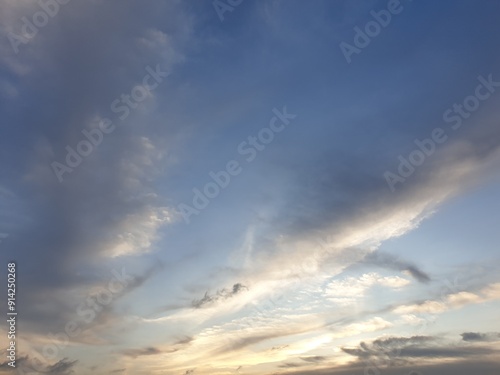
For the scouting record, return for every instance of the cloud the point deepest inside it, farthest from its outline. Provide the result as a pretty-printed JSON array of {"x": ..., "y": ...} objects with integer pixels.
[
  {"x": 250, "y": 339},
  {"x": 322, "y": 180},
  {"x": 390, "y": 261},
  {"x": 480, "y": 337},
  {"x": 401, "y": 341},
  {"x": 399, "y": 350},
  {"x": 108, "y": 208},
  {"x": 184, "y": 341},
  {"x": 348, "y": 290},
  {"x": 452, "y": 301},
  {"x": 25, "y": 363},
  {"x": 370, "y": 325},
  {"x": 220, "y": 295},
  {"x": 455, "y": 367},
  {"x": 290, "y": 365},
  {"x": 134, "y": 353},
  {"x": 386, "y": 347},
  {"x": 427, "y": 307},
  {"x": 63, "y": 367},
  {"x": 452, "y": 352},
  {"x": 314, "y": 359}
]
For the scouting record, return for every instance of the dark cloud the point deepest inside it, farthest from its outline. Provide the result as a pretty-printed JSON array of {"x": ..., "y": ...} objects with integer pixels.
[
  {"x": 315, "y": 359},
  {"x": 451, "y": 352},
  {"x": 104, "y": 316},
  {"x": 279, "y": 347},
  {"x": 401, "y": 350},
  {"x": 184, "y": 341},
  {"x": 290, "y": 365},
  {"x": 220, "y": 295},
  {"x": 141, "y": 352},
  {"x": 64, "y": 366},
  {"x": 117, "y": 371},
  {"x": 484, "y": 337},
  {"x": 385, "y": 260},
  {"x": 458, "y": 367},
  {"x": 312, "y": 359},
  {"x": 473, "y": 336},
  {"x": 25, "y": 364},
  {"x": 108, "y": 198},
  {"x": 401, "y": 341}
]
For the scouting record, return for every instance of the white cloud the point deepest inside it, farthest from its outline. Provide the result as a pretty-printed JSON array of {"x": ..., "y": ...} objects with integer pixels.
[
  {"x": 452, "y": 301},
  {"x": 371, "y": 325},
  {"x": 351, "y": 289},
  {"x": 137, "y": 232}
]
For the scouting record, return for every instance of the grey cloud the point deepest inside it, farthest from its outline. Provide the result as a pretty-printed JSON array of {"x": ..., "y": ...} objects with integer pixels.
[
  {"x": 134, "y": 353},
  {"x": 77, "y": 70},
  {"x": 400, "y": 350},
  {"x": 316, "y": 358},
  {"x": 452, "y": 352},
  {"x": 290, "y": 365},
  {"x": 400, "y": 341},
  {"x": 391, "y": 346},
  {"x": 473, "y": 336},
  {"x": 64, "y": 366},
  {"x": 390, "y": 261},
  {"x": 220, "y": 295},
  {"x": 483, "y": 337},
  {"x": 184, "y": 341},
  {"x": 64, "y": 309},
  {"x": 460, "y": 367},
  {"x": 25, "y": 363}
]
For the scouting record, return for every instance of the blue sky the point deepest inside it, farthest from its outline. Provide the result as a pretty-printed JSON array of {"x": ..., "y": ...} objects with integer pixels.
[{"x": 217, "y": 188}]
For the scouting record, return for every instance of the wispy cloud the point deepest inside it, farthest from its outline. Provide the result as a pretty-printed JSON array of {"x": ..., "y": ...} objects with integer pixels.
[{"x": 220, "y": 295}]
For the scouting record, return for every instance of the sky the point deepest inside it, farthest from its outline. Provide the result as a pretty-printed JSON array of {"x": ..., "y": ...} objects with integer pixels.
[{"x": 250, "y": 187}]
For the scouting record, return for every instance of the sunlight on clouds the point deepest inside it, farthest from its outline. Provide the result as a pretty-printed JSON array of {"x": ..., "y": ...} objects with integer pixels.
[
  {"x": 371, "y": 325},
  {"x": 462, "y": 298},
  {"x": 452, "y": 301},
  {"x": 492, "y": 292},
  {"x": 429, "y": 307},
  {"x": 349, "y": 290},
  {"x": 137, "y": 232}
]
